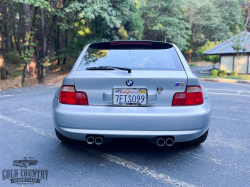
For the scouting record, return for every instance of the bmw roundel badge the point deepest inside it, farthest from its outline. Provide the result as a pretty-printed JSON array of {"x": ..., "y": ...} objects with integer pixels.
[{"x": 129, "y": 82}]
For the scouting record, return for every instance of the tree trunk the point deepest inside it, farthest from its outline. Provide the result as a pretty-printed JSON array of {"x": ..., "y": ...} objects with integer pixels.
[
  {"x": 27, "y": 28},
  {"x": 248, "y": 17},
  {"x": 2, "y": 65},
  {"x": 58, "y": 44},
  {"x": 66, "y": 43},
  {"x": 42, "y": 46},
  {"x": 6, "y": 25},
  {"x": 16, "y": 40},
  {"x": 237, "y": 59}
]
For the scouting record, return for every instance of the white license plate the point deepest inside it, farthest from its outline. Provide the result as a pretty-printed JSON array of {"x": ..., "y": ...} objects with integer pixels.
[{"x": 130, "y": 97}]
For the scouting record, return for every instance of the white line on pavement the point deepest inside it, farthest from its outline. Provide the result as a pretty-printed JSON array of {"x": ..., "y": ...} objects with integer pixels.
[
  {"x": 33, "y": 111},
  {"x": 227, "y": 94},
  {"x": 228, "y": 90},
  {"x": 6, "y": 95},
  {"x": 141, "y": 169},
  {"x": 21, "y": 124},
  {"x": 130, "y": 165},
  {"x": 231, "y": 119}
]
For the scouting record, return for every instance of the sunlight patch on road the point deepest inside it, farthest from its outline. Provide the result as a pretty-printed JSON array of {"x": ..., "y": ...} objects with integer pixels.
[
  {"x": 130, "y": 165},
  {"x": 141, "y": 169},
  {"x": 6, "y": 95},
  {"x": 35, "y": 112},
  {"x": 231, "y": 119},
  {"x": 21, "y": 124}
]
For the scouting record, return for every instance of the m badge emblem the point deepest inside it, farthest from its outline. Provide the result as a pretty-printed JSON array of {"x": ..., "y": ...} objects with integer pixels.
[{"x": 179, "y": 84}]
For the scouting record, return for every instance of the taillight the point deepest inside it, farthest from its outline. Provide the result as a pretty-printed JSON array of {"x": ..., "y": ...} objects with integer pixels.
[
  {"x": 68, "y": 95},
  {"x": 192, "y": 96}
]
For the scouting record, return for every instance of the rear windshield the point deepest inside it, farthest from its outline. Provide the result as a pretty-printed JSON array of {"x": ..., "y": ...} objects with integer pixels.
[{"x": 137, "y": 59}]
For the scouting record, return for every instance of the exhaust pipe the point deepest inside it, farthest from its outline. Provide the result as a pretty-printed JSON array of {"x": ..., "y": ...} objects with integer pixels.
[
  {"x": 98, "y": 140},
  {"x": 160, "y": 142},
  {"x": 169, "y": 142},
  {"x": 90, "y": 140}
]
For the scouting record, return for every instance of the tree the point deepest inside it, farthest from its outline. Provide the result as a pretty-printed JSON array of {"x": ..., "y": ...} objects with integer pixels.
[
  {"x": 165, "y": 18},
  {"x": 212, "y": 20},
  {"x": 27, "y": 36},
  {"x": 4, "y": 72},
  {"x": 2, "y": 65},
  {"x": 210, "y": 58}
]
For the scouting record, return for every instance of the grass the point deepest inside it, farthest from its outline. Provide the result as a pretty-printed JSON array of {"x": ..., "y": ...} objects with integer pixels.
[
  {"x": 192, "y": 64},
  {"x": 14, "y": 70},
  {"x": 241, "y": 77}
]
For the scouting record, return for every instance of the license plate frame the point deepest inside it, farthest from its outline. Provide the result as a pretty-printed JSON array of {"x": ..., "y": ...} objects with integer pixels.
[{"x": 133, "y": 104}]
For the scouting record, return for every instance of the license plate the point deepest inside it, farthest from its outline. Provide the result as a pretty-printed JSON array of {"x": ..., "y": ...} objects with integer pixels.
[{"x": 130, "y": 97}]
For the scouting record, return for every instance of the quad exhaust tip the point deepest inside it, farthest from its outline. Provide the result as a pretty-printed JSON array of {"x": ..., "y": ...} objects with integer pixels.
[
  {"x": 98, "y": 141},
  {"x": 169, "y": 142},
  {"x": 160, "y": 142},
  {"x": 90, "y": 140}
]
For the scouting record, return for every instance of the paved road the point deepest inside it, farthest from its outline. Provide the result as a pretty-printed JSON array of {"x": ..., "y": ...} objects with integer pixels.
[
  {"x": 26, "y": 130},
  {"x": 197, "y": 69}
]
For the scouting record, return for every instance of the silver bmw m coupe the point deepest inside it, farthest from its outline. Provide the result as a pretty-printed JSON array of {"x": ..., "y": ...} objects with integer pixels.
[{"x": 131, "y": 89}]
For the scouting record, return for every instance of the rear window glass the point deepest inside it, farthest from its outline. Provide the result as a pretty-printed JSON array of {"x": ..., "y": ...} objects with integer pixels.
[{"x": 137, "y": 59}]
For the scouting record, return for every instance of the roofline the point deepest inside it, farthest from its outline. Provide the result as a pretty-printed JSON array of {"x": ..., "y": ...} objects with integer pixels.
[
  {"x": 223, "y": 43},
  {"x": 226, "y": 53}
]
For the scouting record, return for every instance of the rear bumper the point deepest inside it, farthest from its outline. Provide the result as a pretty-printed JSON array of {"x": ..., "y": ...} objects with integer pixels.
[{"x": 184, "y": 123}]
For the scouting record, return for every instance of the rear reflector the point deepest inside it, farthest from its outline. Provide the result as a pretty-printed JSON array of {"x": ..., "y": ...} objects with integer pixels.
[
  {"x": 192, "y": 96},
  {"x": 68, "y": 95},
  {"x": 120, "y": 43}
]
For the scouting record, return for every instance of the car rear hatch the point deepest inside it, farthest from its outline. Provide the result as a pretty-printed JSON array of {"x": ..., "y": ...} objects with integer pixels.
[{"x": 156, "y": 68}]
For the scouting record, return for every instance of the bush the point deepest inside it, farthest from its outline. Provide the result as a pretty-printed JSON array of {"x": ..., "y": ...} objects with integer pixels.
[
  {"x": 222, "y": 73},
  {"x": 207, "y": 46},
  {"x": 192, "y": 64},
  {"x": 214, "y": 72},
  {"x": 13, "y": 58},
  {"x": 233, "y": 73}
]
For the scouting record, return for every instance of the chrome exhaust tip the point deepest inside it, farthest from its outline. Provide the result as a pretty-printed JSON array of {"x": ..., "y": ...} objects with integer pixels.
[
  {"x": 98, "y": 140},
  {"x": 90, "y": 140},
  {"x": 160, "y": 142},
  {"x": 169, "y": 142}
]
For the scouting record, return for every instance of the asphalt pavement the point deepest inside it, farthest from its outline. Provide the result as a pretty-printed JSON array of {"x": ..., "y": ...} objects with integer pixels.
[
  {"x": 26, "y": 130},
  {"x": 198, "y": 69}
]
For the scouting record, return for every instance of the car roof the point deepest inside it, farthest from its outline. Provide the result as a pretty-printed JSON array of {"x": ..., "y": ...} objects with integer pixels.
[{"x": 131, "y": 44}]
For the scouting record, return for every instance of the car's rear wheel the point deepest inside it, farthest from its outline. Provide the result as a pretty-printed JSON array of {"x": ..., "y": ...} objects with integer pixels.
[
  {"x": 63, "y": 138},
  {"x": 199, "y": 140}
]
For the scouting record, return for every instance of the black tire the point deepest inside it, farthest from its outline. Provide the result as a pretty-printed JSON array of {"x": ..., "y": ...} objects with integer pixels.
[
  {"x": 63, "y": 138},
  {"x": 199, "y": 140}
]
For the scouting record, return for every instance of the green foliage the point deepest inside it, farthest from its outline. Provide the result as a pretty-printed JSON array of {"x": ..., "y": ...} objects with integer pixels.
[
  {"x": 13, "y": 57},
  {"x": 194, "y": 26},
  {"x": 241, "y": 77},
  {"x": 207, "y": 46},
  {"x": 214, "y": 72},
  {"x": 37, "y": 3},
  {"x": 165, "y": 18},
  {"x": 192, "y": 64},
  {"x": 212, "y": 19},
  {"x": 233, "y": 73},
  {"x": 222, "y": 73}
]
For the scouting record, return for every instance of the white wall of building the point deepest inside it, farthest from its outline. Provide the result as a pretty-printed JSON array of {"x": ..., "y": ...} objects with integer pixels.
[{"x": 228, "y": 63}]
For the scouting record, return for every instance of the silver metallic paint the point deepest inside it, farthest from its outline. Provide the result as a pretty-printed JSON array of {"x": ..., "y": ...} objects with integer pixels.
[{"x": 159, "y": 118}]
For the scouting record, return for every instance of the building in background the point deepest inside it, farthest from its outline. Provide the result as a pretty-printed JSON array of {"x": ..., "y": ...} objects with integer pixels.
[{"x": 228, "y": 55}]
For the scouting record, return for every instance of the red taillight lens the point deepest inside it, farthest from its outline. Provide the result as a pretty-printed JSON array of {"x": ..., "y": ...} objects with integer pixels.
[
  {"x": 192, "y": 96},
  {"x": 68, "y": 95}
]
